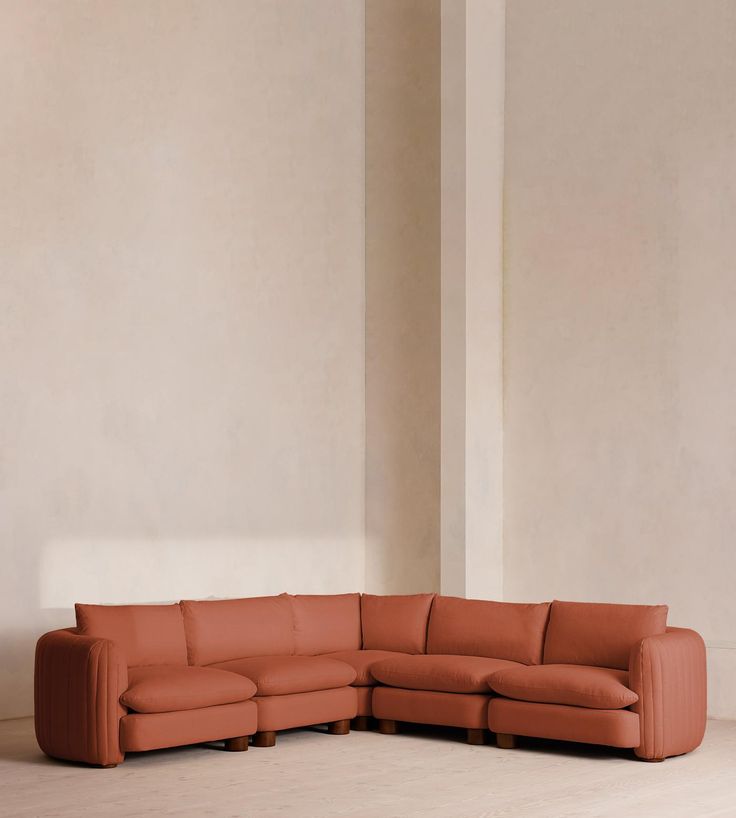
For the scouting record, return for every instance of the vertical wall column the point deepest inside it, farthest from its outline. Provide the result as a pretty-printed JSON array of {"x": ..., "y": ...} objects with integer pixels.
[
  {"x": 402, "y": 286},
  {"x": 472, "y": 98}
]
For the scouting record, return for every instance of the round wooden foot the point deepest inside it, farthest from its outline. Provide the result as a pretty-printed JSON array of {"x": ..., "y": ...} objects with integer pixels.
[
  {"x": 361, "y": 723},
  {"x": 476, "y": 736},
  {"x": 265, "y": 738},
  {"x": 237, "y": 745},
  {"x": 387, "y": 727},
  {"x": 505, "y": 741},
  {"x": 339, "y": 728}
]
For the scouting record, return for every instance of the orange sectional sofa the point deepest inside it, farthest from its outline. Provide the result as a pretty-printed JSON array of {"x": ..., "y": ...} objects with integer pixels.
[{"x": 141, "y": 677}]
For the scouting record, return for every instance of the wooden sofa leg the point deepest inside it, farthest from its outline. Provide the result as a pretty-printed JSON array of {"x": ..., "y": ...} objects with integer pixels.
[
  {"x": 339, "y": 728},
  {"x": 387, "y": 727},
  {"x": 361, "y": 723},
  {"x": 506, "y": 741},
  {"x": 652, "y": 760},
  {"x": 476, "y": 735},
  {"x": 239, "y": 744},
  {"x": 265, "y": 738},
  {"x": 105, "y": 766}
]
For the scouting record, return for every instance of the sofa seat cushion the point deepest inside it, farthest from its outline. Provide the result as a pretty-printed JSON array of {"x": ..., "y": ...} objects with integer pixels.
[
  {"x": 579, "y": 685},
  {"x": 165, "y": 688},
  {"x": 447, "y": 674},
  {"x": 281, "y": 675},
  {"x": 362, "y": 661}
]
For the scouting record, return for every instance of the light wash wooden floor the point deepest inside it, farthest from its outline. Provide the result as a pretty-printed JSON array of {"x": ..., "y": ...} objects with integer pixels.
[{"x": 313, "y": 775}]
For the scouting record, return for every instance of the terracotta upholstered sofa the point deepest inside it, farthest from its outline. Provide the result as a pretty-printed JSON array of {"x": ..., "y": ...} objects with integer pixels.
[{"x": 141, "y": 677}]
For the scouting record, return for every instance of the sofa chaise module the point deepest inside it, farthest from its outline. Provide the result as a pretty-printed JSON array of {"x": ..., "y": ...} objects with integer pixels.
[{"x": 140, "y": 677}]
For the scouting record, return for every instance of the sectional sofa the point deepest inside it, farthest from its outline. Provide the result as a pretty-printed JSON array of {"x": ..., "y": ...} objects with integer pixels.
[{"x": 140, "y": 677}]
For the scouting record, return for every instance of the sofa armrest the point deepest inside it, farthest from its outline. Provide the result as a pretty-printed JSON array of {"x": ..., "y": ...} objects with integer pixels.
[
  {"x": 78, "y": 682},
  {"x": 668, "y": 673}
]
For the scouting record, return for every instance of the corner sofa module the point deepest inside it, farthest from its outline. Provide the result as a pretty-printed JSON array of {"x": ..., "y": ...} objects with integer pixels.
[
  {"x": 391, "y": 627},
  {"x": 467, "y": 642}
]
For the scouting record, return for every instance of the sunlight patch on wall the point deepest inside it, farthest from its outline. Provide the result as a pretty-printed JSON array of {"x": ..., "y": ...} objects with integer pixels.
[{"x": 100, "y": 570}]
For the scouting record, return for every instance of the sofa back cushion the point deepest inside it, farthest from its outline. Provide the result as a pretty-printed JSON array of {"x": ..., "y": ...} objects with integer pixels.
[
  {"x": 397, "y": 623},
  {"x": 601, "y": 634},
  {"x": 325, "y": 623},
  {"x": 146, "y": 634},
  {"x": 498, "y": 630},
  {"x": 223, "y": 629}
]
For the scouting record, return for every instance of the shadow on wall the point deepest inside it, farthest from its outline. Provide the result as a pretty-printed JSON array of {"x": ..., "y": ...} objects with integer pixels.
[
  {"x": 402, "y": 288},
  {"x": 100, "y": 570}
]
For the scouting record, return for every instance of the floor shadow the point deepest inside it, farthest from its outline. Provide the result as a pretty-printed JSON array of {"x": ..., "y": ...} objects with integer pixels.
[
  {"x": 21, "y": 749},
  {"x": 540, "y": 745}
]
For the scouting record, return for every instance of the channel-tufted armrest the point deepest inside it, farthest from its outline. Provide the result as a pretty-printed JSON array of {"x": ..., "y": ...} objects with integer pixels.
[
  {"x": 77, "y": 687},
  {"x": 668, "y": 673}
]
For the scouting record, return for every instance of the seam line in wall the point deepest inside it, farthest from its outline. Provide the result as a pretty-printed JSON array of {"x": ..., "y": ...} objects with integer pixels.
[{"x": 718, "y": 645}]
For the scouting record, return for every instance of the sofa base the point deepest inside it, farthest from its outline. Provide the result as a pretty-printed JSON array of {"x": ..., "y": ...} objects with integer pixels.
[
  {"x": 303, "y": 710},
  {"x": 615, "y": 728},
  {"x": 473, "y": 735},
  {"x": 469, "y": 710},
  {"x": 153, "y": 731},
  {"x": 365, "y": 700},
  {"x": 267, "y": 738}
]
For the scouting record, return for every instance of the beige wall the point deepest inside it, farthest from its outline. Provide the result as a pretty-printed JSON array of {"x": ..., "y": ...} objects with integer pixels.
[
  {"x": 182, "y": 296},
  {"x": 402, "y": 295},
  {"x": 201, "y": 393},
  {"x": 620, "y": 408}
]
